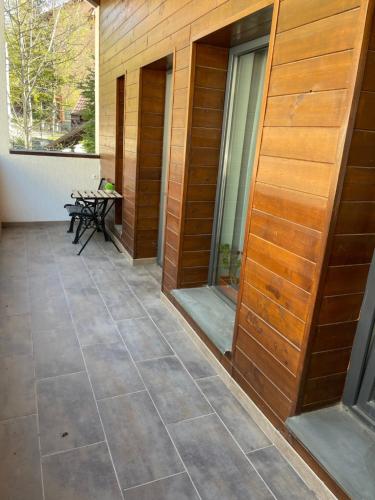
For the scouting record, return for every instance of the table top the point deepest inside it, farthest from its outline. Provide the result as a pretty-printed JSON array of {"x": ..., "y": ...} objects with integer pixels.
[{"x": 100, "y": 194}]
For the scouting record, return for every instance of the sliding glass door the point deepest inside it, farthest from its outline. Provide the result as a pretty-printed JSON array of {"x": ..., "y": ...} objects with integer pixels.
[
  {"x": 243, "y": 99},
  {"x": 164, "y": 166}
]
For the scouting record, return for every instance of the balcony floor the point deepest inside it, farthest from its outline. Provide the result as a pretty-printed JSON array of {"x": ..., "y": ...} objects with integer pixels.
[{"x": 103, "y": 395}]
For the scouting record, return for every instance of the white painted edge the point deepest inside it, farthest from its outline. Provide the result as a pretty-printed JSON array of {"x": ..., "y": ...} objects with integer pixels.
[{"x": 133, "y": 262}]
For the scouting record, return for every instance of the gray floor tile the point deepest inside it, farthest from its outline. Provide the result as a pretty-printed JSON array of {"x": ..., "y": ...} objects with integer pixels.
[
  {"x": 44, "y": 286},
  {"x": 101, "y": 277},
  {"x": 50, "y": 312},
  {"x": 85, "y": 302},
  {"x": 172, "y": 389},
  {"x": 143, "y": 339},
  {"x": 97, "y": 260},
  {"x": 132, "y": 274},
  {"x": 111, "y": 286},
  {"x": 98, "y": 329},
  {"x": 177, "y": 487},
  {"x": 111, "y": 370},
  {"x": 68, "y": 416},
  {"x": 248, "y": 435},
  {"x": 156, "y": 271},
  {"x": 15, "y": 335},
  {"x": 217, "y": 466},
  {"x": 39, "y": 270},
  {"x": 194, "y": 361},
  {"x": 161, "y": 315},
  {"x": 140, "y": 446},
  {"x": 17, "y": 394},
  {"x": 57, "y": 352},
  {"x": 146, "y": 287},
  {"x": 20, "y": 476},
  {"x": 76, "y": 278},
  {"x": 93, "y": 322},
  {"x": 41, "y": 264},
  {"x": 13, "y": 266},
  {"x": 82, "y": 474},
  {"x": 121, "y": 303},
  {"x": 281, "y": 478},
  {"x": 14, "y": 296}
]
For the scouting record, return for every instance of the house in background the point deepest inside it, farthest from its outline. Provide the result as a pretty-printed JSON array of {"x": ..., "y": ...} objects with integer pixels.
[{"x": 242, "y": 136}]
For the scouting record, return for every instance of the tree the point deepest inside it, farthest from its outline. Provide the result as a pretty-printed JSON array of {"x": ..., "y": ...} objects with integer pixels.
[
  {"x": 44, "y": 42},
  {"x": 87, "y": 88}
]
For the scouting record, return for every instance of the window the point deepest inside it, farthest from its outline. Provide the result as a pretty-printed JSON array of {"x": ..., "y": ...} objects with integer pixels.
[{"x": 50, "y": 47}]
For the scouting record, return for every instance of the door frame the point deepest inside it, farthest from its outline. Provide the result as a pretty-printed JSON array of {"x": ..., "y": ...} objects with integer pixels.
[
  {"x": 358, "y": 385},
  {"x": 165, "y": 168},
  {"x": 234, "y": 54}
]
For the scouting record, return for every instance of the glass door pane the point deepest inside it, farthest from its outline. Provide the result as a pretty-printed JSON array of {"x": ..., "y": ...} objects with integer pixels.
[
  {"x": 243, "y": 106},
  {"x": 164, "y": 166}
]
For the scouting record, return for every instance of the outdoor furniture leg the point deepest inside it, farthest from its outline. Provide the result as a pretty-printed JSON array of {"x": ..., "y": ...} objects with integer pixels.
[
  {"x": 71, "y": 225},
  {"x": 104, "y": 231},
  {"x": 88, "y": 239},
  {"x": 77, "y": 236}
]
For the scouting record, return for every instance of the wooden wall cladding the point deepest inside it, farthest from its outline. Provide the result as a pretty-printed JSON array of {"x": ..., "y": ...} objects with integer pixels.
[
  {"x": 202, "y": 161},
  {"x": 351, "y": 251},
  {"x": 134, "y": 34},
  {"x": 149, "y": 162},
  {"x": 304, "y": 122},
  {"x": 309, "y": 92}
]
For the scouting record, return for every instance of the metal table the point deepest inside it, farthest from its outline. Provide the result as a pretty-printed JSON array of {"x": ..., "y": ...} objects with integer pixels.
[{"x": 92, "y": 210}]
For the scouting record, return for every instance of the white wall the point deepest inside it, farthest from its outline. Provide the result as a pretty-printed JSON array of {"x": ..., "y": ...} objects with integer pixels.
[{"x": 35, "y": 188}]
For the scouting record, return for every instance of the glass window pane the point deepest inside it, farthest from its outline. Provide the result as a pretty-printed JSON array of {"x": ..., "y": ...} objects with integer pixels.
[{"x": 242, "y": 125}]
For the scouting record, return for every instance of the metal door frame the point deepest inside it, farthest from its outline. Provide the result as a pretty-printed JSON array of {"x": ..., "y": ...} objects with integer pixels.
[
  {"x": 234, "y": 54},
  {"x": 360, "y": 380},
  {"x": 165, "y": 167}
]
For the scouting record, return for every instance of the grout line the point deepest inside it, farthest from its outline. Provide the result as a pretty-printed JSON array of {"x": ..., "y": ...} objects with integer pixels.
[
  {"x": 122, "y": 278},
  {"x": 209, "y": 376},
  {"x": 261, "y": 448},
  {"x": 53, "y": 453},
  {"x": 110, "y": 342},
  {"x": 230, "y": 433},
  {"x": 192, "y": 418},
  {"x": 148, "y": 392},
  {"x": 35, "y": 395},
  {"x": 10, "y": 419},
  {"x": 37, "y": 380},
  {"x": 125, "y": 394},
  {"x": 263, "y": 430},
  {"x": 89, "y": 379},
  {"x": 154, "y": 481},
  {"x": 214, "y": 411},
  {"x": 269, "y": 430},
  {"x": 155, "y": 359}
]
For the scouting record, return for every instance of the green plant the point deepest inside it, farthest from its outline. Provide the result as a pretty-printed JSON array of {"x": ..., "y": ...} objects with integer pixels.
[{"x": 230, "y": 261}]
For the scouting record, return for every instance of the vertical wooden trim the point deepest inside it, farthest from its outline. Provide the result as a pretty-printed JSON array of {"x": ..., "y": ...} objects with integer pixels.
[
  {"x": 123, "y": 163},
  {"x": 187, "y": 148},
  {"x": 138, "y": 163},
  {"x": 119, "y": 146},
  {"x": 275, "y": 16},
  {"x": 337, "y": 180}
]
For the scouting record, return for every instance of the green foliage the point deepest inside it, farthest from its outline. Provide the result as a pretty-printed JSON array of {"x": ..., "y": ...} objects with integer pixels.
[
  {"x": 87, "y": 88},
  {"x": 49, "y": 46},
  {"x": 230, "y": 261}
]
